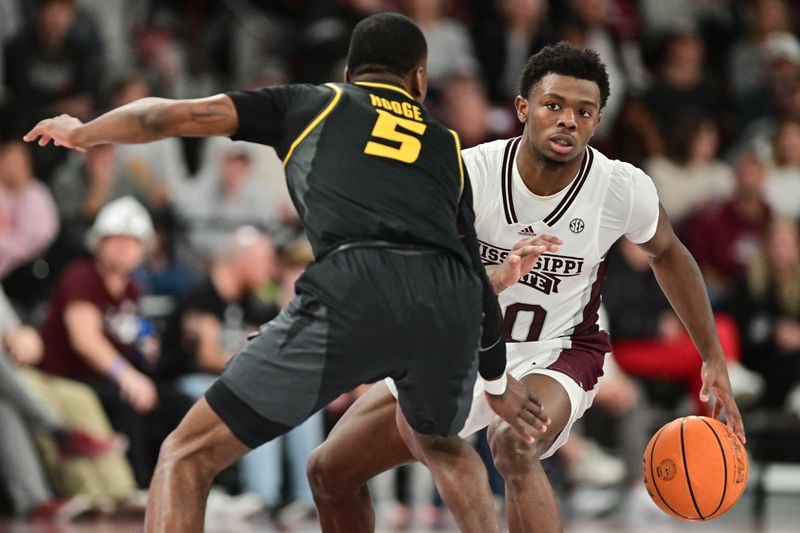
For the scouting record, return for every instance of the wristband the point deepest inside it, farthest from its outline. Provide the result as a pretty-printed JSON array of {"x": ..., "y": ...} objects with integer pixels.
[
  {"x": 117, "y": 368},
  {"x": 496, "y": 387}
]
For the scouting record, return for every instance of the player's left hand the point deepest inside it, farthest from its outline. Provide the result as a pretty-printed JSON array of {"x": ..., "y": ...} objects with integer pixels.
[
  {"x": 520, "y": 409},
  {"x": 717, "y": 383},
  {"x": 521, "y": 259},
  {"x": 57, "y": 129}
]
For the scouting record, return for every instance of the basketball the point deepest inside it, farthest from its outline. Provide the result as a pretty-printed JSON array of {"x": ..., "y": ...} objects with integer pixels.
[{"x": 694, "y": 469}]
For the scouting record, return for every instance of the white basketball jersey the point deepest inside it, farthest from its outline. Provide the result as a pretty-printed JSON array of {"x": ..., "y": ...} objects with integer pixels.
[{"x": 559, "y": 299}]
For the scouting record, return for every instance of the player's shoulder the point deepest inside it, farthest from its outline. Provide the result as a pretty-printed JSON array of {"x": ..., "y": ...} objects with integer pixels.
[
  {"x": 619, "y": 172},
  {"x": 485, "y": 159},
  {"x": 486, "y": 152}
]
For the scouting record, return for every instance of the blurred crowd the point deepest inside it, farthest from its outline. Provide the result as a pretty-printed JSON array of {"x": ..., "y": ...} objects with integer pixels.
[{"x": 130, "y": 274}]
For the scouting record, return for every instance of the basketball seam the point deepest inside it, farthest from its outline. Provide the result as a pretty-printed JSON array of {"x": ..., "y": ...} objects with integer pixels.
[
  {"x": 724, "y": 465},
  {"x": 686, "y": 472},
  {"x": 653, "y": 476}
]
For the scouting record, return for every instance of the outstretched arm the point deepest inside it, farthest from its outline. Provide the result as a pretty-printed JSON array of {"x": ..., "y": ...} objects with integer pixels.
[
  {"x": 142, "y": 121},
  {"x": 680, "y": 279}
]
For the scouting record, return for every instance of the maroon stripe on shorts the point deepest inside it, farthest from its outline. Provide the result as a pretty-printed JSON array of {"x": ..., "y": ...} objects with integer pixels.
[{"x": 584, "y": 361}]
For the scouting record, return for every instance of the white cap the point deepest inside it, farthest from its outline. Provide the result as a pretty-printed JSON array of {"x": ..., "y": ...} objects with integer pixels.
[
  {"x": 123, "y": 216},
  {"x": 781, "y": 46}
]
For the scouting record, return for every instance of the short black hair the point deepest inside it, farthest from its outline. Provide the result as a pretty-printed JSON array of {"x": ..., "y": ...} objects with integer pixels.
[
  {"x": 386, "y": 42},
  {"x": 566, "y": 59}
]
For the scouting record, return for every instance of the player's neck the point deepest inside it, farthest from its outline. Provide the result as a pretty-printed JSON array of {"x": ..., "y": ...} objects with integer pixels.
[{"x": 542, "y": 176}]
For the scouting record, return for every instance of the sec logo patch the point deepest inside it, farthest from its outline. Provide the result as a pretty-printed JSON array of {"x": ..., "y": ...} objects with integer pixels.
[{"x": 576, "y": 225}]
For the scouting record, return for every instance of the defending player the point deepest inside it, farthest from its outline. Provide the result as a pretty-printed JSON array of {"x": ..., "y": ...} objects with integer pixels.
[
  {"x": 549, "y": 181},
  {"x": 381, "y": 190}
]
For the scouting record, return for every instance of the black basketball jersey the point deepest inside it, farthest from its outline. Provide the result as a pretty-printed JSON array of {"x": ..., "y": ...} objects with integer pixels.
[{"x": 363, "y": 161}]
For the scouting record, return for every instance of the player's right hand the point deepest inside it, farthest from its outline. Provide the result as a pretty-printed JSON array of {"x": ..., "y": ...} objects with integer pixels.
[
  {"x": 58, "y": 129},
  {"x": 520, "y": 409},
  {"x": 521, "y": 259}
]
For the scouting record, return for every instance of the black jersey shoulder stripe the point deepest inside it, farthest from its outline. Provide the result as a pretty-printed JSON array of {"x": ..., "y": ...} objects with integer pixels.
[
  {"x": 508, "y": 174},
  {"x": 337, "y": 94},
  {"x": 572, "y": 193},
  {"x": 460, "y": 163}
]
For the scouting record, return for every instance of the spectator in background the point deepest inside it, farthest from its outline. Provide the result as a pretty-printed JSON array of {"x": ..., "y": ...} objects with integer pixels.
[
  {"x": 450, "y": 51},
  {"x": 647, "y": 337},
  {"x": 465, "y": 109},
  {"x": 747, "y": 70},
  {"x": 94, "y": 333},
  {"x": 28, "y": 215},
  {"x": 690, "y": 175},
  {"x": 232, "y": 189},
  {"x": 216, "y": 313},
  {"x": 726, "y": 235},
  {"x": 53, "y": 66},
  {"x": 81, "y": 186},
  {"x": 681, "y": 86},
  {"x": 783, "y": 174},
  {"x": 22, "y": 415},
  {"x": 161, "y": 56},
  {"x": 506, "y": 35},
  {"x": 158, "y": 168},
  {"x": 778, "y": 100},
  {"x": 766, "y": 304}
]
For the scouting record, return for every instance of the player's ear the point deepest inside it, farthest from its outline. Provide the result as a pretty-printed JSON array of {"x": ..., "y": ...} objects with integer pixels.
[
  {"x": 418, "y": 83},
  {"x": 522, "y": 108},
  {"x": 346, "y": 75}
]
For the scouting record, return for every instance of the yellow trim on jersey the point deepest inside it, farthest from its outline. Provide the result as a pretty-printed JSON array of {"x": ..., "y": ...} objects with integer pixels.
[
  {"x": 460, "y": 162},
  {"x": 314, "y": 123},
  {"x": 385, "y": 86}
]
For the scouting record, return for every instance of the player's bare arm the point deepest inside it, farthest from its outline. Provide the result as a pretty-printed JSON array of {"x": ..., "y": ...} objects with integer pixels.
[
  {"x": 682, "y": 282},
  {"x": 521, "y": 260},
  {"x": 142, "y": 121}
]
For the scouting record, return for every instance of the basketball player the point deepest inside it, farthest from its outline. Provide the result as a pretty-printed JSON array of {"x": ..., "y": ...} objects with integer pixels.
[
  {"x": 394, "y": 293},
  {"x": 548, "y": 181}
]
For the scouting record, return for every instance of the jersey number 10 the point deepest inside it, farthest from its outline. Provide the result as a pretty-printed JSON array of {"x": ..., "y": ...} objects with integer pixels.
[{"x": 386, "y": 129}]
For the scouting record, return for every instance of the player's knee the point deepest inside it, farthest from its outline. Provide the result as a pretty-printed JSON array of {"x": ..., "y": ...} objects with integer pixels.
[
  {"x": 178, "y": 452},
  {"x": 511, "y": 454},
  {"x": 325, "y": 476}
]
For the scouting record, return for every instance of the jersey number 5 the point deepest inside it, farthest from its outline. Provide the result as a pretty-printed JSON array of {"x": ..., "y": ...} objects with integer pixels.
[
  {"x": 537, "y": 321},
  {"x": 386, "y": 130}
]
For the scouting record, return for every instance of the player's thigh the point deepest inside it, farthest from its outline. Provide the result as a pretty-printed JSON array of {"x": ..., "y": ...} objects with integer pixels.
[
  {"x": 364, "y": 443},
  {"x": 286, "y": 373},
  {"x": 436, "y": 398}
]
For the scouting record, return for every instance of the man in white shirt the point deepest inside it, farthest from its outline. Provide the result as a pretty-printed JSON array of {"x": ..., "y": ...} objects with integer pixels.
[{"x": 545, "y": 189}]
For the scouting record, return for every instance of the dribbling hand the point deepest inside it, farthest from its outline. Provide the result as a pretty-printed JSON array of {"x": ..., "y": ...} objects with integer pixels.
[
  {"x": 717, "y": 383},
  {"x": 520, "y": 409}
]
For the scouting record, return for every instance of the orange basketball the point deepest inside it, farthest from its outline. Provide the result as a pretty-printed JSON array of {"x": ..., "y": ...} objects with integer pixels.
[{"x": 694, "y": 469}]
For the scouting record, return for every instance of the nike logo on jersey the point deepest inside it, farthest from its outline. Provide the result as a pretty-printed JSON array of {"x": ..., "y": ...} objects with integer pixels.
[
  {"x": 527, "y": 232},
  {"x": 545, "y": 276}
]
